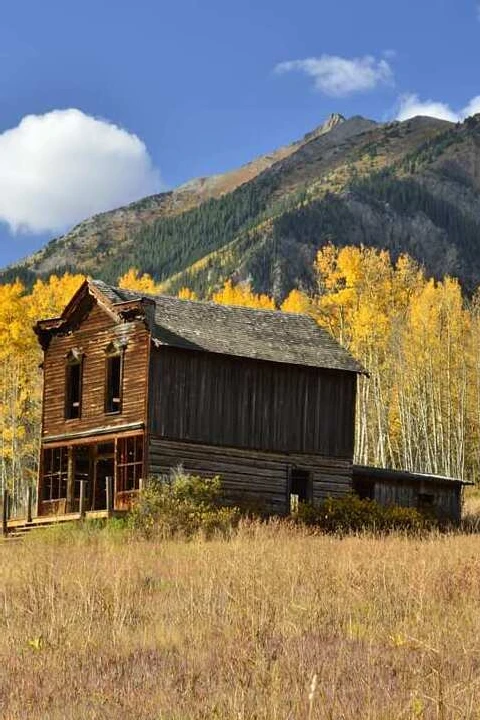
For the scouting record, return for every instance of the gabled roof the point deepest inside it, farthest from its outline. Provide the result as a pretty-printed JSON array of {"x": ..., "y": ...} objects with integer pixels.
[
  {"x": 224, "y": 329},
  {"x": 238, "y": 331}
]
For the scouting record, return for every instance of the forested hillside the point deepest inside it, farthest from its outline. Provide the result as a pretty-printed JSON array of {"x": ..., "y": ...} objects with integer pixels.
[{"x": 409, "y": 187}]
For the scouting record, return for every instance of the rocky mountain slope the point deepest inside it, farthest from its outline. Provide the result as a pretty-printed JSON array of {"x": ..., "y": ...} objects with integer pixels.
[
  {"x": 110, "y": 233},
  {"x": 412, "y": 186}
]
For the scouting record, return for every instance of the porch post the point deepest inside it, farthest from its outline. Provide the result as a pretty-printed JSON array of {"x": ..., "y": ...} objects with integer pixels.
[
  {"x": 82, "y": 498},
  {"x": 109, "y": 494},
  {"x": 29, "y": 504},
  {"x": 70, "y": 480}
]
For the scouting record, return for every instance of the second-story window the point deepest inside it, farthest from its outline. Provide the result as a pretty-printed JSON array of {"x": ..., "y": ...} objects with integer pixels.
[
  {"x": 73, "y": 385},
  {"x": 113, "y": 379}
]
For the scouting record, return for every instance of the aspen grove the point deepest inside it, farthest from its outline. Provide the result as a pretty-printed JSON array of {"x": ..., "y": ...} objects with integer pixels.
[{"x": 417, "y": 338}]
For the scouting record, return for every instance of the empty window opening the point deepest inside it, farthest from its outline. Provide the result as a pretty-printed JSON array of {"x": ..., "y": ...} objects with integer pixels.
[
  {"x": 301, "y": 490},
  {"x": 54, "y": 473},
  {"x": 73, "y": 389},
  {"x": 82, "y": 469},
  {"x": 426, "y": 499},
  {"x": 365, "y": 489},
  {"x": 113, "y": 394},
  {"x": 129, "y": 463}
]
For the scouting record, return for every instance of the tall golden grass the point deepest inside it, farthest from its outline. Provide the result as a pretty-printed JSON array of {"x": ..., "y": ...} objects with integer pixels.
[{"x": 274, "y": 623}]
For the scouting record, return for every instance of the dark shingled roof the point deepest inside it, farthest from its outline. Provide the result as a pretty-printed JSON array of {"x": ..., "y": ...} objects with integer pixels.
[
  {"x": 399, "y": 476},
  {"x": 239, "y": 331}
]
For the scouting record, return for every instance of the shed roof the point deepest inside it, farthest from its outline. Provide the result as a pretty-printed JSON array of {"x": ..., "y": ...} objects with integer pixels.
[
  {"x": 239, "y": 331},
  {"x": 390, "y": 475}
]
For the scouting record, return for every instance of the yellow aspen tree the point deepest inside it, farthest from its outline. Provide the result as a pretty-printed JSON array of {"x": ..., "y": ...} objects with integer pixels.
[
  {"x": 186, "y": 294},
  {"x": 362, "y": 300},
  {"x": 15, "y": 346},
  {"x": 132, "y": 280},
  {"x": 298, "y": 302},
  {"x": 242, "y": 294},
  {"x": 20, "y": 376},
  {"x": 473, "y": 450},
  {"x": 434, "y": 382}
]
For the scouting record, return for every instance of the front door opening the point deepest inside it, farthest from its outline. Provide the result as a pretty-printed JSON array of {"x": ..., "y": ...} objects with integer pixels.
[
  {"x": 82, "y": 473},
  {"x": 104, "y": 467},
  {"x": 365, "y": 489},
  {"x": 301, "y": 490}
]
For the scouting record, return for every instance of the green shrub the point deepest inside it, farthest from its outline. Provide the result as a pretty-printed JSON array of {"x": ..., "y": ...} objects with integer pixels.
[
  {"x": 70, "y": 532},
  {"x": 352, "y": 514},
  {"x": 182, "y": 504}
]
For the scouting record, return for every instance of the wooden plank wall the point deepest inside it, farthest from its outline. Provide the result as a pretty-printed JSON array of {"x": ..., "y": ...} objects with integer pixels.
[
  {"x": 254, "y": 478},
  {"x": 447, "y": 502},
  {"x": 92, "y": 336},
  {"x": 251, "y": 404}
]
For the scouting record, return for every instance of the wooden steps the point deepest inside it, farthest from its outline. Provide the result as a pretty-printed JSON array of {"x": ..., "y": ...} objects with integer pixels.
[{"x": 18, "y": 527}]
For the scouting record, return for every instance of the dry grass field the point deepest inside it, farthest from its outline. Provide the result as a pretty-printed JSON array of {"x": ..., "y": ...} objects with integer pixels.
[{"x": 273, "y": 623}]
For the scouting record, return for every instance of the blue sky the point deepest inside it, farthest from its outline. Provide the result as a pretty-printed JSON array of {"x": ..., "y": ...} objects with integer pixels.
[{"x": 103, "y": 102}]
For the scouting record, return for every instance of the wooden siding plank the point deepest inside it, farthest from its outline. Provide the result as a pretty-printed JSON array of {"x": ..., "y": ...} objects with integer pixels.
[
  {"x": 269, "y": 459},
  {"x": 251, "y": 404},
  {"x": 259, "y": 477}
]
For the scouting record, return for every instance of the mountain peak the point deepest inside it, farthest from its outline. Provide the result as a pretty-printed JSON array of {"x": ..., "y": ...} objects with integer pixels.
[{"x": 331, "y": 122}]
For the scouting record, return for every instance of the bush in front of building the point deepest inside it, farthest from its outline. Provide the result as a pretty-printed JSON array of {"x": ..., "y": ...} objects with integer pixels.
[
  {"x": 180, "y": 504},
  {"x": 353, "y": 514}
]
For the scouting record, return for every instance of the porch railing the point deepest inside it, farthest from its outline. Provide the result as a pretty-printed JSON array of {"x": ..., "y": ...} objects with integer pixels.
[{"x": 7, "y": 503}]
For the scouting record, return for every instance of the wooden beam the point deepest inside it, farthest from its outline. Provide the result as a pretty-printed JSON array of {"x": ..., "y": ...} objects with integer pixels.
[
  {"x": 82, "y": 498},
  {"x": 29, "y": 503},
  {"x": 103, "y": 434},
  {"x": 70, "y": 480},
  {"x": 109, "y": 495}
]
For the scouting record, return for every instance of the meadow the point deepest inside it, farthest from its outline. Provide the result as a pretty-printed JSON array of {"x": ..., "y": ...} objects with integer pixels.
[{"x": 273, "y": 622}]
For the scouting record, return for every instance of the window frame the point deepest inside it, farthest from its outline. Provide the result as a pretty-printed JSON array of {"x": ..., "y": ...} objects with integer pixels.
[
  {"x": 426, "y": 500},
  {"x": 123, "y": 464},
  {"x": 114, "y": 351},
  {"x": 54, "y": 474},
  {"x": 74, "y": 359}
]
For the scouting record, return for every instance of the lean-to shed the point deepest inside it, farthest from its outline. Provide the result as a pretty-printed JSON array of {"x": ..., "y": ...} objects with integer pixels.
[{"x": 433, "y": 495}]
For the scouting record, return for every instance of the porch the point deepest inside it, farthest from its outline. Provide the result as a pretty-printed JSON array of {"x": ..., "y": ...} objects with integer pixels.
[
  {"x": 95, "y": 475},
  {"x": 19, "y": 525}
]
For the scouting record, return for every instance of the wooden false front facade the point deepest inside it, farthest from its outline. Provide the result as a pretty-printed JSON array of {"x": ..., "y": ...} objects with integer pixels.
[
  {"x": 134, "y": 386},
  {"x": 94, "y": 430}
]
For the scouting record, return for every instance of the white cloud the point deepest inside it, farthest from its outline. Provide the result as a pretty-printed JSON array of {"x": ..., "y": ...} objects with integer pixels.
[
  {"x": 57, "y": 169},
  {"x": 410, "y": 106},
  {"x": 472, "y": 108},
  {"x": 339, "y": 76}
]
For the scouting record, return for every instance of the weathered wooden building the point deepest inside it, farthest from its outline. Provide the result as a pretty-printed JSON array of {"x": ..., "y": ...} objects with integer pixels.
[
  {"x": 433, "y": 495},
  {"x": 134, "y": 385}
]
